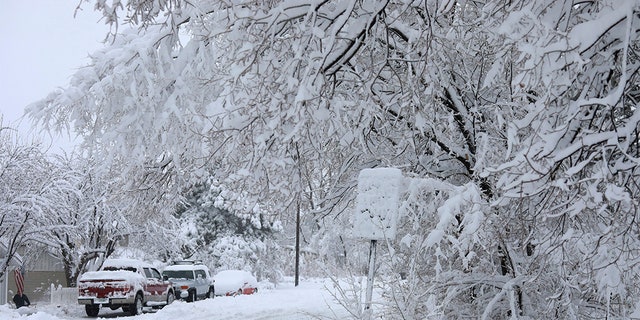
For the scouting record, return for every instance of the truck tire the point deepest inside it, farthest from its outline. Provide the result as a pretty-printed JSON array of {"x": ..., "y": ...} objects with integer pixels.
[
  {"x": 192, "y": 296},
  {"x": 136, "y": 308},
  {"x": 170, "y": 297},
  {"x": 92, "y": 310},
  {"x": 211, "y": 293}
]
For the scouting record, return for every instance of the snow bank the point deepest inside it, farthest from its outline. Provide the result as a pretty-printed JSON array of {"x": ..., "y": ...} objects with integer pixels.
[{"x": 7, "y": 313}]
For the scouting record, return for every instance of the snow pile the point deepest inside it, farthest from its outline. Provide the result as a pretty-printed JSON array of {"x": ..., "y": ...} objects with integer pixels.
[{"x": 7, "y": 313}]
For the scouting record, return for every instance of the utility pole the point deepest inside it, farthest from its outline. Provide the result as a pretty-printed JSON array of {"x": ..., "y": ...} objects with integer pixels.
[
  {"x": 297, "y": 276},
  {"x": 298, "y": 200}
]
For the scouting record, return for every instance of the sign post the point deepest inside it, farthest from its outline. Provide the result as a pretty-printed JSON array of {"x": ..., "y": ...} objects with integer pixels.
[
  {"x": 370, "y": 276},
  {"x": 376, "y": 215}
]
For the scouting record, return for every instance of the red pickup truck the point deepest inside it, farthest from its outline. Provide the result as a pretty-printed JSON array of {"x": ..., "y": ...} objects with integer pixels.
[{"x": 123, "y": 283}]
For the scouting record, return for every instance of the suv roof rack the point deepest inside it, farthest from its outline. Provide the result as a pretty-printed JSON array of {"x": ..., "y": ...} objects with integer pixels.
[{"x": 186, "y": 262}]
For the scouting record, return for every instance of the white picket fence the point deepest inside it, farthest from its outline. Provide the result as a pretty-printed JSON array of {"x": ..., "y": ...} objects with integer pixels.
[{"x": 63, "y": 296}]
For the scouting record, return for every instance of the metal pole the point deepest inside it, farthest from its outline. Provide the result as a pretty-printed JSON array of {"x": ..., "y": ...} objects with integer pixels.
[
  {"x": 297, "y": 271},
  {"x": 4, "y": 287},
  {"x": 372, "y": 270}
]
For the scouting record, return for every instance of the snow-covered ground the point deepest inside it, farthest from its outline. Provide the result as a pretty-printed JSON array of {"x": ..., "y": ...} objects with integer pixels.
[{"x": 310, "y": 300}]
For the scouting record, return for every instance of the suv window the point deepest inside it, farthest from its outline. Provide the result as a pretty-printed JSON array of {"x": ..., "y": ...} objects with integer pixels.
[
  {"x": 201, "y": 273},
  {"x": 178, "y": 274},
  {"x": 147, "y": 273}
]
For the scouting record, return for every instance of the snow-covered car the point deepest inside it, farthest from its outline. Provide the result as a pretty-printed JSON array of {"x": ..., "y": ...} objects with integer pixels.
[
  {"x": 191, "y": 280},
  {"x": 123, "y": 283},
  {"x": 234, "y": 282}
]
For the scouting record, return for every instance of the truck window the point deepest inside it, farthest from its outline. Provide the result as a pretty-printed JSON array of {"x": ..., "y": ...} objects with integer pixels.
[
  {"x": 155, "y": 274},
  {"x": 114, "y": 268}
]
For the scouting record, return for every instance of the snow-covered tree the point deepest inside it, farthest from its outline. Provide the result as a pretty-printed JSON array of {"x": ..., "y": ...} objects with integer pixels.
[
  {"x": 573, "y": 168},
  {"x": 523, "y": 113},
  {"x": 93, "y": 215},
  {"x": 32, "y": 189}
]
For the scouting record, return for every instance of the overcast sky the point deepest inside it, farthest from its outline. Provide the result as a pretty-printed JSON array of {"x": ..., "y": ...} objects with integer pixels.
[{"x": 41, "y": 44}]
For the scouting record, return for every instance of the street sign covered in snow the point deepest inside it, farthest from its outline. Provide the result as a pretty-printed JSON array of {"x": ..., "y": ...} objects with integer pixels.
[{"x": 376, "y": 213}]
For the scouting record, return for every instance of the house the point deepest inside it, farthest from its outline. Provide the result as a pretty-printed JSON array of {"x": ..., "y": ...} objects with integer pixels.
[
  {"x": 15, "y": 262},
  {"x": 42, "y": 271}
]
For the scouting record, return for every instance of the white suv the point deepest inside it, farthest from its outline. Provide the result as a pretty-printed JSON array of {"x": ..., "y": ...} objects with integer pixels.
[{"x": 191, "y": 280}]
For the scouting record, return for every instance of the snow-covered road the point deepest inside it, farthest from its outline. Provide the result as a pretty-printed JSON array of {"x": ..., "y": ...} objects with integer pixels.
[{"x": 310, "y": 300}]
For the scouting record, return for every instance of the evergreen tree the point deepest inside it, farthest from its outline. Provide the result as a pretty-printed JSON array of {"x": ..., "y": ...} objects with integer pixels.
[{"x": 223, "y": 237}]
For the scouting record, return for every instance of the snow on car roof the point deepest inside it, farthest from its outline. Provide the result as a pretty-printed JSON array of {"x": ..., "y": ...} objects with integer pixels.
[
  {"x": 120, "y": 263},
  {"x": 232, "y": 280},
  {"x": 112, "y": 275},
  {"x": 230, "y": 272},
  {"x": 234, "y": 275},
  {"x": 186, "y": 267}
]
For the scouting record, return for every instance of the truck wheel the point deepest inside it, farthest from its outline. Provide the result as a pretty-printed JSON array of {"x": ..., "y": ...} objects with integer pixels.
[
  {"x": 211, "y": 294},
  {"x": 136, "y": 308},
  {"x": 92, "y": 310},
  {"x": 170, "y": 297},
  {"x": 192, "y": 296}
]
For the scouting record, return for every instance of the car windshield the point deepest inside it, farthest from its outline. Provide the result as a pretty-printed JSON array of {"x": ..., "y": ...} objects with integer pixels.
[{"x": 178, "y": 274}]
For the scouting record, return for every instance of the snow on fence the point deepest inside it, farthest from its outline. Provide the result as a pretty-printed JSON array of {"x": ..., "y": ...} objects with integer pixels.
[{"x": 63, "y": 296}]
